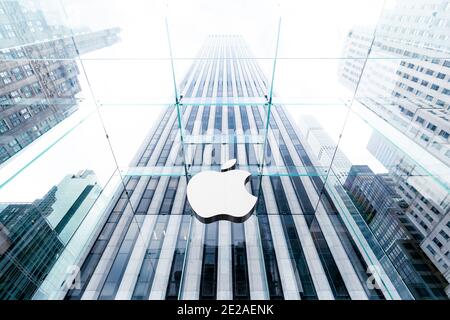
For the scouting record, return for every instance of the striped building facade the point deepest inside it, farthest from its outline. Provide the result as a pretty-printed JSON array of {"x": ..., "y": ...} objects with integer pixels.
[{"x": 296, "y": 245}]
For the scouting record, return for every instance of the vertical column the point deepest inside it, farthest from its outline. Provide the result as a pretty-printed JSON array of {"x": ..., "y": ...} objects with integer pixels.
[
  {"x": 192, "y": 273},
  {"x": 224, "y": 267},
  {"x": 255, "y": 260}
]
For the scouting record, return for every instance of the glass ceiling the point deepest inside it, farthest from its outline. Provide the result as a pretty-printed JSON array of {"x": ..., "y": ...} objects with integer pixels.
[{"x": 300, "y": 47}]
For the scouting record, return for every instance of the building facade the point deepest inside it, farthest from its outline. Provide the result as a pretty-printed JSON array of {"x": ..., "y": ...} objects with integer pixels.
[
  {"x": 18, "y": 25},
  {"x": 34, "y": 237},
  {"x": 428, "y": 201},
  {"x": 383, "y": 208},
  {"x": 36, "y": 92},
  {"x": 406, "y": 78},
  {"x": 377, "y": 199},
  {"x": 38, "y": 73}
]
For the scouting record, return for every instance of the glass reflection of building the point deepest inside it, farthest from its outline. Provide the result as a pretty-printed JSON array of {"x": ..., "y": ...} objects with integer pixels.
[
  {"x": 25, "y": 263},
  {"x": 38, "y": 73},
  {"x": 323, "y": 148},
  {"x": 381, "y": 205},
  {"x": 383, "y": 209},
  {"x": 426, "y": 199},
  {"x": 406, "y": 78},
  {"x": 297, "y": 245},
  {"x": 405, "y": 81},
  {"x": 34, "y": 237}
]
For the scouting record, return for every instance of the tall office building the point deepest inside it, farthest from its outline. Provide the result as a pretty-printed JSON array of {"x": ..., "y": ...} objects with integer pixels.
[
  {"x": 374, "y": 197},
  {"x": 35, "y": 237},
  {"x": 384, "y": 210},
  {"x": 37, "y": 92},
  {"x": 38, "y": 73},
  {"x": 30, "y": 250},
  {"x": 297, "y": 244},
  {"x": 428, "y": 200},
  {"x": 405, "y": 81}
]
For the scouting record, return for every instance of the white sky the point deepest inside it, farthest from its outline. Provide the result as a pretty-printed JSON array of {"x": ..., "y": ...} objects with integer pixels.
[{"x": 128, "y": 79}]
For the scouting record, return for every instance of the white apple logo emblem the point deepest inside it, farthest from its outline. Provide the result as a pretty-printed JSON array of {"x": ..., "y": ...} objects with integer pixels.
[{"x": 221, "y": 195}]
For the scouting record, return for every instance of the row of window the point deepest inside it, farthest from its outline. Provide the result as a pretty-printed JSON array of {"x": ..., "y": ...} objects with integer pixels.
[
  {"x": 22, "y": 139},
  {"x": 15, "y": 96},
  {"x": 430, "y": 126}
]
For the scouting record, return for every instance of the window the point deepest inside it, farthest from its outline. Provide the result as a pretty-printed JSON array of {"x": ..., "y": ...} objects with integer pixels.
[
  {"x": 26, "y": 91},
  {"x": 431, "y": 126},
  {"x": 15, "y": 120},
  {"x": 444, "y": 134},
  {"x": 15, "y": 96},
  {"x": 24, "y": 113},
  {"x": 437, "y": 242},
  {"x": 28, "y": 70},
  {"x": 5, "y": 77},
  {"x": 17, "y": 73},
  {"x": 446, "y": 91},
  {"x": 4, "y": 101},
  {"x": 435, "y": 61},
  {"x": 26, "y": 138},
  {"x": 440, "y": 75},
  {"x": 36, "y": 87},
  {"x": 14, "y": 145},
  {"x": 3, "y": 126},
  {"x": 3, "y": 154},
  {"x": 420, "y": 120},
  {"x": 435, "y": 87},
  {"x": 444, "y": 235},
  {"x": 424, "y": 83}
]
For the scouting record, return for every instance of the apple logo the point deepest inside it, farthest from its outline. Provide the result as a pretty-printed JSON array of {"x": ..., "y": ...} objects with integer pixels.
[{"x": 221, "y": 195}]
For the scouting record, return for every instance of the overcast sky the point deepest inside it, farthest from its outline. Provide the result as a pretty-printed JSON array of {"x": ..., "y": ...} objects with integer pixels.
[{"x": 132, "y": 80}]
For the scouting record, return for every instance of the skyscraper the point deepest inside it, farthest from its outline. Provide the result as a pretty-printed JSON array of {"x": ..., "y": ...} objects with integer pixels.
[
  {"x": 38, "y": 73},
  {"x": 34, "y": 237},
  {"x": 428, "y": 200},
  {"x": 298, "y": 244},
  {"x": 38, "y": 86},
  {"x": 405, "y": 81},
  {"x": 384, "y": 210}
]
